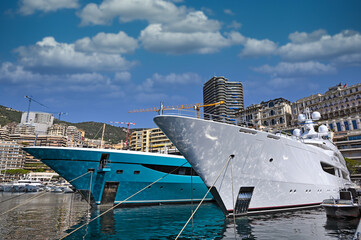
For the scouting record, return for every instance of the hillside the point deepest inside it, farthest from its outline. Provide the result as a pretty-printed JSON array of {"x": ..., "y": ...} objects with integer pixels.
[
  {"x": 93, "y": 130},
  {"x": 8, "y": 115}
]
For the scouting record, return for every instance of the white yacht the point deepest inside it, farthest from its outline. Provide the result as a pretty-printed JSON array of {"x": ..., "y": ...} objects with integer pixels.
[{"x": 253, "y": 171}]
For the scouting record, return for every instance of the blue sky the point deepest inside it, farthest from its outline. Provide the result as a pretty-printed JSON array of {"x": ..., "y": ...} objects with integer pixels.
[{"x": 96, "y": 60}]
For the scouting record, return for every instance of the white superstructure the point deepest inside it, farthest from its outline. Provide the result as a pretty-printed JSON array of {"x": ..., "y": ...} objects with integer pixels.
[{"x": 256, "y": 170}]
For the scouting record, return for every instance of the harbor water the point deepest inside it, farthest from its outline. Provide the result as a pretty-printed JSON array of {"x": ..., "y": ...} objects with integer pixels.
[{"x": 53, "y": 216}]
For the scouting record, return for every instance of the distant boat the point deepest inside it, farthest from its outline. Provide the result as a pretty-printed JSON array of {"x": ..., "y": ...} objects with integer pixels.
[
  {"x": 259, "y": 171},
  {"x": 114, "y": 175},
  {"x": 346, "y": 206}
]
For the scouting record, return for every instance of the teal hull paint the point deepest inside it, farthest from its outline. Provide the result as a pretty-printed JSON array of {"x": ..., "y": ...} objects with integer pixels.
[{"x": 70, "y": 163}]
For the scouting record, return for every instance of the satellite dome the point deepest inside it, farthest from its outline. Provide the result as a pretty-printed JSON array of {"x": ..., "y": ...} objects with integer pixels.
[
  {"x": 297, "y": 132},
  {"x": 301, "y": 118},
  {"x": 316, "y": 116},
  {"x": 322, "y": 129}
]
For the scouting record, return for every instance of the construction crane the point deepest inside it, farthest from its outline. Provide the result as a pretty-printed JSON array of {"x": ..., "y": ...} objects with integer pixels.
[
  {"x": 160, "y": 109},
  {"x": 126, "y": 123},
  {"x": 32, "y": 99},
  {"x": 60, "y": 114}
]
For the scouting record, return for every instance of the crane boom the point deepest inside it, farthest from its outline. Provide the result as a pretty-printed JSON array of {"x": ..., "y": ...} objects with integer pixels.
[
  {"x": 32, "y": 99},
  {"x": 196, "y": 107}
]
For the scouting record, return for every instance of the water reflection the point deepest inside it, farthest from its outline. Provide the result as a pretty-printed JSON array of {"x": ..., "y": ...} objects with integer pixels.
[{"x": 55, "y": 215}]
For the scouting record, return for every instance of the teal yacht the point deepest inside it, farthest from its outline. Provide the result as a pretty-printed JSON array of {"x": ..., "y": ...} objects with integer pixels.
[{"x": 112, "y": 176}]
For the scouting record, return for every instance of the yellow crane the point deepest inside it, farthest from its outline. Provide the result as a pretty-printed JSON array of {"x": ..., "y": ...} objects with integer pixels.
[{"x": 196, "y": 107}]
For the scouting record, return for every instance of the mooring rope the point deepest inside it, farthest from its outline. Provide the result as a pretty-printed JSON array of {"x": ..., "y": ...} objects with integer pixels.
[
  {"x": 89, "y": 194},
  {"x": 191, "y": 217},
  {"x": 12, "y": 197},
  {"x": 121, "y": 202},
  {"x": 36, "y": 196},
  {"x": 28, "y": 200},
  {"x": 234, "y": 207}
]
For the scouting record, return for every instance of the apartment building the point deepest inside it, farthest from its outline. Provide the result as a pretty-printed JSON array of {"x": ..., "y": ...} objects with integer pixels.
[
  {"x": 151, "y": 140},
  {"x": 219, "y": 89},
  {"x": 340, "y": 107},
  {"x": 273, "y": 114},
  {"x": 10, "y": 157}
]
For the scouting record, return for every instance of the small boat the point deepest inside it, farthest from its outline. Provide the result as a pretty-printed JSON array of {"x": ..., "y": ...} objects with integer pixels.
[{"x": 344, "y": 207}]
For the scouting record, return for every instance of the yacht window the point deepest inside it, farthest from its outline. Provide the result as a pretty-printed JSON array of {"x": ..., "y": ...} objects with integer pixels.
[{"x": 328, "y": 168}]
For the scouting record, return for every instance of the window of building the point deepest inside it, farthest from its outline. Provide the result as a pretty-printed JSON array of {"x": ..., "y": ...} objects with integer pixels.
[
  {"x": 271, "y": 104},
  {"x": 273, "y": 122},
  {"x": 331, "y": 126},
  {"x": 272, "y": 113},
  {"x": 347, "y": 127},
  {"x": 354, "y": 124},
  {"x": 265, "y": 123},
  {"x": 281, "y": 120},
  {"x": 338, "y": 126}
]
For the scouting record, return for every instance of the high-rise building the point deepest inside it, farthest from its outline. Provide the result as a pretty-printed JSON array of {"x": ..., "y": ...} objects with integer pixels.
[{"x": 219, "y": 89}]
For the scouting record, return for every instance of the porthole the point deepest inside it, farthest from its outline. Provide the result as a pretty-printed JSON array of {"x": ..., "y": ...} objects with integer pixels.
[
  {"x": 136, "y": 172},
  {"x": 271, "y": 160},
  {"x": 119, "y": 171}
]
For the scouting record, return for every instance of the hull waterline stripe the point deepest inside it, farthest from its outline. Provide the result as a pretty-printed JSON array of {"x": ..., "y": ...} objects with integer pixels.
[{"x": 278, "y": 207}]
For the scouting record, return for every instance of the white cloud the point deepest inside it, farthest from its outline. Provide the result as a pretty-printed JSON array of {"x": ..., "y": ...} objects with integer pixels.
[
  {"x": 11, "y": 73},
  {"x": 228, "y": 11},
  {"x": 122, "y": 77},
  {"x": 155, "y": 38},
  {"x": 159, "y": 11},
  {"x": 302, "y": 37},
  {"x": 321, "y": 46},
  {"x": 28, "y": 7},
  {"x": 284, "y": 69},
  {"x": 107, "y": 43},
  {"x": 79, "y": 82},
  {"x": 235, "y": 25},
  {"x": 51, "y": 55},
  {"x": 193, "y": 22},
  {"x": 255, "y": 48},
  {"x": 177, "y": 79}
]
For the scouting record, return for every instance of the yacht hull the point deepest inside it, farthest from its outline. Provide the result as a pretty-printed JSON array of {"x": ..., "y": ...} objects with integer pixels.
[
  {"x": 261, "y": 171},
  {"x": 126, "y": 173}
]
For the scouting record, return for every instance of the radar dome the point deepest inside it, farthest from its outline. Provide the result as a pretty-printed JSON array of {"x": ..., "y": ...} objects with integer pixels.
[
  {"x": 316, "y": 116},
  {"x": 297, "y": 132},
  {"x": 322, "y": 129},
  {"x": 301, "y": 118}
]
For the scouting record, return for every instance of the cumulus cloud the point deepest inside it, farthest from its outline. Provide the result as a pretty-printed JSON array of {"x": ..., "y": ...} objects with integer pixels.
[
  {"x": 49, "y": 54},
  {"x": 256, "y": 48},
  {"x": 177, "y": 79},
  {"x": 78, "y": 82},
  {"x": 119, "y": 43},
  {"x": 28, "y": 7},
  {"x": 321, "y": 46},
  {"x": 155, "y": 38},
  {"x": 285, "y": 69},
  {"x": 159, "y": 11}
]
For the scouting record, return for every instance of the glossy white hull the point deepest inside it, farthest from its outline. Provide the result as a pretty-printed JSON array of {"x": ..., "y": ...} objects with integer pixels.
[{"x": 283, "y": 172}]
